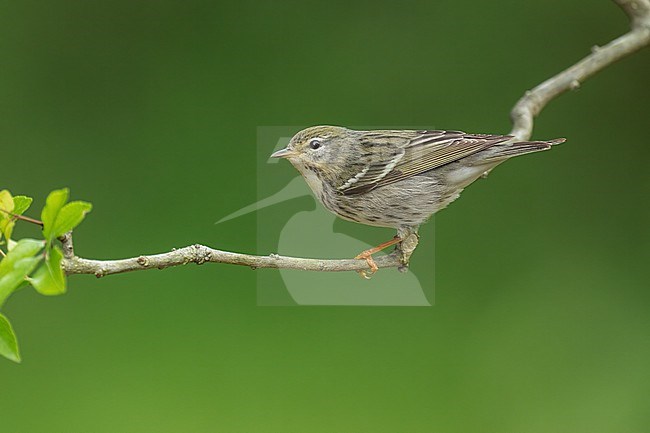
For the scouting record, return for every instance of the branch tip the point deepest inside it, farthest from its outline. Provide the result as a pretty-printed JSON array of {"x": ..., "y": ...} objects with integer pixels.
[{"x": 533, "y": 101}]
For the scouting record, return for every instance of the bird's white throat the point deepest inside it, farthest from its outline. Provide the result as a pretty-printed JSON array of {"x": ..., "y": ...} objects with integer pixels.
[{"x": 312, "y": 179}]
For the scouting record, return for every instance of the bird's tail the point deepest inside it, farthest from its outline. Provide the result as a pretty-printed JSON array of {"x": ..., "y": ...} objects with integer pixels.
[{"x": 505, "y": 151}]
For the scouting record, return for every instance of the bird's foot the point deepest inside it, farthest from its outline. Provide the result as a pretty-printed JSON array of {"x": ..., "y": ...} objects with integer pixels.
[
  {"x": 371, "y": 264},
  {"x": 367, "y": 256}
]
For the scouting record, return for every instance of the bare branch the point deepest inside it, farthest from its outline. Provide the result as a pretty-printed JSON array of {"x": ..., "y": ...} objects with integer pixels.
[
  {"x": 523, "y": 114},
  {"x": 638, "y": 11},
  {"x": 532, "y": 103},
  {"x": 200, "y": 254}
]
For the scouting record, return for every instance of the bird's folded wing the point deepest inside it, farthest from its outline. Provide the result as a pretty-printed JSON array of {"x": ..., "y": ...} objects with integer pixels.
[{"x": 424, "y": 151}]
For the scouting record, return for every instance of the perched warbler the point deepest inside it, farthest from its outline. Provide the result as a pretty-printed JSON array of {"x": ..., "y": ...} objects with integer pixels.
[{"x": 395, "y": 178}]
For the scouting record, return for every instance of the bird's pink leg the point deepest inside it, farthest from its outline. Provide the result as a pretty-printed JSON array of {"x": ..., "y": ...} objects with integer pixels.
[{"x": 367, "y": 255}]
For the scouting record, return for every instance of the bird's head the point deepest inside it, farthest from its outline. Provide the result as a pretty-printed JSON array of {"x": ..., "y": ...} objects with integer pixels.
[{"x": 319, "y": 148}]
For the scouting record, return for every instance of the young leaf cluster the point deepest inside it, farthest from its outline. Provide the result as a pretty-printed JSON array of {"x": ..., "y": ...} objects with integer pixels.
[{"x": 36, "y": 262}]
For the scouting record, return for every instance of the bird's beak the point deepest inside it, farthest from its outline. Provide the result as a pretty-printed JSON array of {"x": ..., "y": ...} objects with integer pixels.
[{"x": 283, "y": 153}]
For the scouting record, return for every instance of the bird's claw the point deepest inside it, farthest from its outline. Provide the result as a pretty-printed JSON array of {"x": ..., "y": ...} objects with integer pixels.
[
  {"x": 371, "y": 264},
  {"x": 364, "y": 274}
]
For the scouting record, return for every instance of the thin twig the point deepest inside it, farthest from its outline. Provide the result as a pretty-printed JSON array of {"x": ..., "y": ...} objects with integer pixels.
[
  {"x": 29, "y": 220},
  {"x": 23, "y": 218},
  {"x": 523, "y": 114},
  {"x": 533, "y": 101}
]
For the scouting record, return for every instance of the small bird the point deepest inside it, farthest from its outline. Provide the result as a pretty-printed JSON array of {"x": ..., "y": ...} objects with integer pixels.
[{"x": 395, "y": 178}]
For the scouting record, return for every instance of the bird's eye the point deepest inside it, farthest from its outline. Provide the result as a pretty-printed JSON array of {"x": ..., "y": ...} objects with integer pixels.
[{"x": 314, "y": 144}]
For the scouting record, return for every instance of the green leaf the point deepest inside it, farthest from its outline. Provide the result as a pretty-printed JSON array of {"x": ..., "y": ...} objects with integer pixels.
[
  {"x": 49, "y": 279},
  {"x": 23, "y": 248},
  {"x": 6, "y": 208},
  {"x": 8, "y": 342},
  {"x": 21, "y": 204},
  {"x": 7, "y": 228},
  {"x": 6, "y": 203},
  {"x": 53, "y": 205},
  {"x": 10, "y": 244},
  {"x": 70, "y": 216},
  {"x": 19, "y": 262},
  {"x": 11, "y": 281}
]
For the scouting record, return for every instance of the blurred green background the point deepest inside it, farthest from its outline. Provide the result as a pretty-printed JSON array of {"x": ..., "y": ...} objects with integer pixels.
[{"x": 149, "y": 109}]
